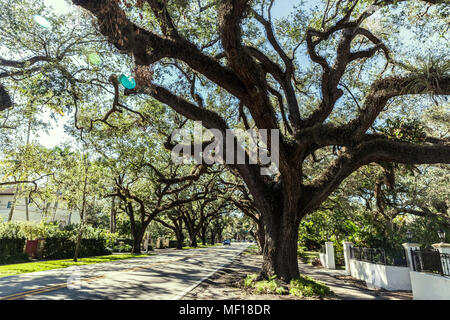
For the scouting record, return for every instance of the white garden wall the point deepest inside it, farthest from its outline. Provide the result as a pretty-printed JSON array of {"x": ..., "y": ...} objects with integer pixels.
[
  {"x": 427, "y": 286},
  {"x": 327, "y": 258},
  {"x": 323, "y": 259},
  {"x": 381, "y": 276}
]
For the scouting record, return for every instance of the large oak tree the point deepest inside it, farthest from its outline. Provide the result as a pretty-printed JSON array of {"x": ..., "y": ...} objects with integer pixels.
[{"x": 266, "y": 85}]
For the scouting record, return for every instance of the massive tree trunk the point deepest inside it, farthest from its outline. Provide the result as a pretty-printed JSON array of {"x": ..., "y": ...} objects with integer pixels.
[
  {"x": 219, "y": 235},
  {"x": 260, "y": 236},
  {"x": 203, "y": 234},
  {"x": 180, "y": 239},
  {"x": 138, "y": 231},
  {"x": 192, "y": 238},
  {"x": 137, "y": 227},
  {"x": 192, "y": 231},
  {"x": 281, "y": 221},
  {"x": 280, "y": 248},
  {"x": 138, "y": 236},
  {"x": 177, "y": 228},
  {"x": 213, "y": 237}
]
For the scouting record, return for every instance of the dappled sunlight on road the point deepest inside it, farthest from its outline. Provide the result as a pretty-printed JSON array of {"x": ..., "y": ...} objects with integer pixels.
[{"x": 168, "y": 275}]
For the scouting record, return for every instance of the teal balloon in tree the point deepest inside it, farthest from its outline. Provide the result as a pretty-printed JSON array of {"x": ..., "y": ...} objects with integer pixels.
[{"x": 128, "y": 83}]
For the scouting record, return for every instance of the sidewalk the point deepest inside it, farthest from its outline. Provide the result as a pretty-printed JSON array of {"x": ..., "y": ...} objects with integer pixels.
[
  {"x": 223, "y": 284},
  {"x": 347, "y": 288}
]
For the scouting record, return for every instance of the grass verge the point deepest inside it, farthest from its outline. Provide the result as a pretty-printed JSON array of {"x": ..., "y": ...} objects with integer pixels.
[
  {"x": 19, "y": 268},
  {"x": 251, "y": 250},
  {"x": 308, "y": 256},
  {"x": 308, "y": 287},
  {"x": 304, "y": 287}
]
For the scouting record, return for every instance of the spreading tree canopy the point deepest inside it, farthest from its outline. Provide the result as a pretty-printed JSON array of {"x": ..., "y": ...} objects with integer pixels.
[{"x": 328, "y": 77}]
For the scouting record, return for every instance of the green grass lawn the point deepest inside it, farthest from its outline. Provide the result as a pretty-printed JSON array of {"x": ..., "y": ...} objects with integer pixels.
[
  {"x": 18, "y": 268},
  {"x": 251, "y": 250},
  {"x": 304, "y": 286},
  {"x": 308, "y": 256}
]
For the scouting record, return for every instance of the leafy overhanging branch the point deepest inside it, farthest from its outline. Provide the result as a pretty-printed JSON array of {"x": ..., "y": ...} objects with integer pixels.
[{"x": 245, "y": 78}]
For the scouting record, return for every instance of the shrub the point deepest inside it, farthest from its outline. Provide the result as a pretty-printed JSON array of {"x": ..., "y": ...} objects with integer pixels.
[
  {"x": 307, "y": 287},
  {"x": 122, "y": 248},
  {"x": 11, "y": 230},
  {"x": 58, "y": 248},
  {"x": 122, "y": 245},
  {"x": 300, "y": 251},
  {"x": 270, "y": 286},
  {"x": 339, "y": 255},
  {"x": 316, "y": 262},
  {"x": 249, "y": 280},
  {"x": 173, "y": 243},
  {"x": 12, "y": 243},
  {"x": 64, "y": 248},
  {"x": 42, "y": 230},
  {"x": 301, "y": 287},
  {"x": 59, "y": 242},
  {"x": 11, "y": 250}
]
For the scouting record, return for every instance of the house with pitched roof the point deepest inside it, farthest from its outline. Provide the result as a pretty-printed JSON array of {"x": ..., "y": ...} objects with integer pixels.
[{"x": 34, "y": 212}]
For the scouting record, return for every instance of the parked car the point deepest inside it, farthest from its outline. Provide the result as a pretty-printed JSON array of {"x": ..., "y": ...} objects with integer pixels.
[{"x": 227, "y": 243}]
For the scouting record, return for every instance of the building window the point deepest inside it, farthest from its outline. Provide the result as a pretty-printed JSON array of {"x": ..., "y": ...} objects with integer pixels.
[{"x": 9, "y": 204}]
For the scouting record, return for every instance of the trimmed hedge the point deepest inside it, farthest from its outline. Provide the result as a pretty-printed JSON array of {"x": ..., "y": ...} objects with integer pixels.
[
  {"x": 11, "y": 250},
  {"x": 59, "y": 242},
  {"x": 64, "y": 248},
  {"x": 173, "y": 243}
]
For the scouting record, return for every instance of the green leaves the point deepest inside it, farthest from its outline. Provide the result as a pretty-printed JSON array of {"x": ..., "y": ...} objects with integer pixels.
[
  {"x": 405, "y": 130},
  {"x": 11, "y": 231}
]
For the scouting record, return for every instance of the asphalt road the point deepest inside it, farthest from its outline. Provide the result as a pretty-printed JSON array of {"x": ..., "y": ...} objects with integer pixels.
[{"x": 166, "y": 276}]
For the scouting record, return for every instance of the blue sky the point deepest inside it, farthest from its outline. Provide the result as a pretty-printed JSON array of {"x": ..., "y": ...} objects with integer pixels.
[{"x": 283, "y": 7}]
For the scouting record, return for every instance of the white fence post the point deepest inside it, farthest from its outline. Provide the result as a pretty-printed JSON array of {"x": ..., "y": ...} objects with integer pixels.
[
  {"x": 443, "y": 248},
  {"x": 323, "y": 258},
  {"x": 408, "y": 247},
  {"x": 329, "y": 252},
  {"x": 347, "y": 254}
]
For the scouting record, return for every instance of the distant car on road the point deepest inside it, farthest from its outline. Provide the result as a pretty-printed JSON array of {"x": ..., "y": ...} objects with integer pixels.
[{"x": 227, "y": 243}]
